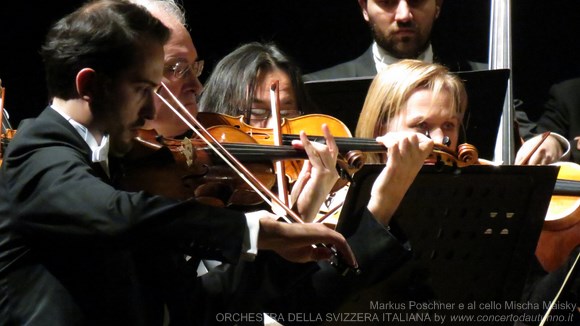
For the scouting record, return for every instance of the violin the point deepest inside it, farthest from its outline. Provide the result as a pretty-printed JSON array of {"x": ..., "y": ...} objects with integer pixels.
[
  {"x": 5, "y": 138},
  {"x": 561, "y": 230},
  {"x": 290, "y": 128},
  {"x": 337, "y": 260},
  {"x": 310, "y": 123},
  {"x": 188, "y": 168},
  {"x": 352, "y": 149},
  {"x": 195, "y": 167},
  {"x": 6, "y": 132}
]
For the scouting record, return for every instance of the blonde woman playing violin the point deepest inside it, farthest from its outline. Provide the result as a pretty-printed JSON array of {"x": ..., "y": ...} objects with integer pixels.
[
  {"x": 410, "y": 105},
  {"x": 412, "y": 98},
  {"x": 417, "y": 97}
]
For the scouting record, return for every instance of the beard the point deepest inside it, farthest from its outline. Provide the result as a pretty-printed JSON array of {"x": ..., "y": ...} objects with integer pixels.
[
  {"x": 122, "y": 138},
  {"x": 120, "y": 148},
  {"x": 400, "y": 48}
]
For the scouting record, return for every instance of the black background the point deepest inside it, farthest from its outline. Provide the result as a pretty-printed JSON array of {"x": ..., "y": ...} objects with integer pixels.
[{"x": 317, "y": 34}]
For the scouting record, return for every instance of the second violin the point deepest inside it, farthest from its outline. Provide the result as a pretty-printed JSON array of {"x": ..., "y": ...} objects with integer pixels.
[{"x": 188, "y": 168}]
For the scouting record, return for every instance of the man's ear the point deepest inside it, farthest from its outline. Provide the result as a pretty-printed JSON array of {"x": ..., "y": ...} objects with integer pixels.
[
  {"x": 363, "y": 7},
  {"x": 86, "y": 84},
  {"x": 438, "y": 4}
]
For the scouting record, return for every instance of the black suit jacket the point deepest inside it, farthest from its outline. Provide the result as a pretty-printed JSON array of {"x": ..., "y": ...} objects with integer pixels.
[
  {"x": 76, "y": 251},
  {"x": 364, "y": 66},
  {"x": 562, "y": 113},
  {"x": 271, "y": 284},
  {"x": 72, "y": 247}
]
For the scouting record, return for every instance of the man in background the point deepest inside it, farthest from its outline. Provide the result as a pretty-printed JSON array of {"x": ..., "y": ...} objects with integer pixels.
[{"x": 401, "y": 29}]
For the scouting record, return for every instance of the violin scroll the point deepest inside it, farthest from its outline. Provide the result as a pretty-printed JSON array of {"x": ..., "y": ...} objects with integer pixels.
[
  {"x": 355, "y": 159},
  {"x": 467, "y": 154},
  {"x": 442, "y": 155}
]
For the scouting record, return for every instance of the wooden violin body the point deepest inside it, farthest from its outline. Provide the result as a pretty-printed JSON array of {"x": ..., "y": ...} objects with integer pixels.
[
  {"x": 5, "y": 138},
  {"x": 7, "y": 133},
  {"x": 290, "y": 127},
  {"x": 561, "y": 230},
  {"x": 310, "y": 123},
  {"x": 184, "y": 169}
]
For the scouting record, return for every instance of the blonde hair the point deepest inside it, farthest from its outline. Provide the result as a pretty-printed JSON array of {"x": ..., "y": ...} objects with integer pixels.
[{"x": 392, "y": 87}]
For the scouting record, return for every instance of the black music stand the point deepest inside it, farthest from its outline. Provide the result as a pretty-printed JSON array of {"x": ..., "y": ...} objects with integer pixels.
[
  {"x": 473, "y": 233},
  {"x": 344, "y": 98}
]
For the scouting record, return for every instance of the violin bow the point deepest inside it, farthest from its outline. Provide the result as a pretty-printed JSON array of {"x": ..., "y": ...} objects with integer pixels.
[
  {"x": 226, "y": 156},
  {"x": 542, "y": 139},
  {"x": 281, "y": 180},
  {"x": 330, "y": 212},
  {"x": 547, "y": 314}
]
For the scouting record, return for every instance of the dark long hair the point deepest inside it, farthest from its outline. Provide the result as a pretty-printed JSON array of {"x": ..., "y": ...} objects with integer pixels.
[{"x": 230, "y": 88}]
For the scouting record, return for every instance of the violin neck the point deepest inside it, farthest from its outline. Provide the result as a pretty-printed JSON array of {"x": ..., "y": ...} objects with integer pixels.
[
  {"x": 567, "y": 188},
  {"x": 345, "y": 144},
  {"x": 262, "y": 153}
]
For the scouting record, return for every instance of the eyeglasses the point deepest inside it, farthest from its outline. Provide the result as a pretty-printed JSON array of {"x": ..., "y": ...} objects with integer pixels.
[
  {"x": 181, "y": 69},
  {"x": 263, "y": 114}
]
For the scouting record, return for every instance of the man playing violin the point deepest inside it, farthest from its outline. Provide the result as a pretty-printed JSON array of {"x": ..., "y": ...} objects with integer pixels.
[{"x": 73, "y": 248}]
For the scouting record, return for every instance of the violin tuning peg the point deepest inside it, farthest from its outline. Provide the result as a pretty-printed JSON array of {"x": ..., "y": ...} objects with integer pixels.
[{"x": 446, "y": 141}]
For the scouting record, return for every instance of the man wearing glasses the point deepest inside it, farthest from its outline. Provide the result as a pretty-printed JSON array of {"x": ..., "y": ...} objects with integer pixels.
[{"x": 182, "y": 69}]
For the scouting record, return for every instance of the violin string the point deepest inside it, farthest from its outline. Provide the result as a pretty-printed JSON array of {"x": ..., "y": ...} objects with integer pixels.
[
  {"x": 222, "y": 152},
  {"x": 257, "y": 152},
  {"x": 345, "y": 144}
]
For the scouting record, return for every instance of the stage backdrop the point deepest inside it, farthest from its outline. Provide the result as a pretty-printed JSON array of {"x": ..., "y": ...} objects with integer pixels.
[{"x": 317, "y": 33}]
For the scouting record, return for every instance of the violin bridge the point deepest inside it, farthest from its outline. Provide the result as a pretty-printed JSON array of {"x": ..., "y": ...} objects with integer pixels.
[{"x": 187, "y": 150}]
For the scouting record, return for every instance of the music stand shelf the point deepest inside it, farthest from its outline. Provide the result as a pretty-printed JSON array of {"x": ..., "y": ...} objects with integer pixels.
[{"x": 473, "y": 231}]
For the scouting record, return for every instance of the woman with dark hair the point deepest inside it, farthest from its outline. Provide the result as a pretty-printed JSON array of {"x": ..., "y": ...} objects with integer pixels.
[{"x": 240, "y": 84}]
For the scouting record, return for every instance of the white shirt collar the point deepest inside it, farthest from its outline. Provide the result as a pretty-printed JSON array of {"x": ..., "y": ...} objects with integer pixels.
[
  {"x": 382, "y": 58},
  {"x": 100, "y": 152}
]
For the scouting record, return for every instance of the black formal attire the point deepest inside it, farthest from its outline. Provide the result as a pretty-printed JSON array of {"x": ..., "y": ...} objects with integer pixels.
[
  {"x": 562, "y": 114},
  {"x": 543, "y": 287},
  {"x": 69, "y": 241},
  {"x": 364, "y": 66},
  {"x": 74, "y": 250}
]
